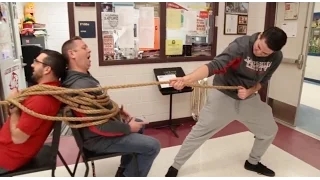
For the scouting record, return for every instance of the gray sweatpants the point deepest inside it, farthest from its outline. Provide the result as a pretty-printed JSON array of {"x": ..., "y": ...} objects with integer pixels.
[{"x": 219, "y": 111}]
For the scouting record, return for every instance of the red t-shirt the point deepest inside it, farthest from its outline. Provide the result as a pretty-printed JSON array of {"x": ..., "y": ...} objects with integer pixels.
[{"x": 13, "y": 156}]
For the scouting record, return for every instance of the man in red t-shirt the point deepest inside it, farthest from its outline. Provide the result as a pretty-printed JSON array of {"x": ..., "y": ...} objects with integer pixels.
[{"x": 23, "y": 135}]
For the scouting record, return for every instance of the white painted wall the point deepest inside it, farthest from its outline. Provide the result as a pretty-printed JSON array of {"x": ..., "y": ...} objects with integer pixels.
[
  {"x": 55, "y": 16},
  {"x": 313, "y": 62},
  {"x": 147, "y": 102}
]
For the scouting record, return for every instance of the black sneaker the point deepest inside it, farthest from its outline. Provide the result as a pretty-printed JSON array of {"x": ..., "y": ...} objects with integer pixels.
[
  {"x": 259, "y": 168},
  {"x": 172, "y": 172},
  {"x": 120, "y": 172}
]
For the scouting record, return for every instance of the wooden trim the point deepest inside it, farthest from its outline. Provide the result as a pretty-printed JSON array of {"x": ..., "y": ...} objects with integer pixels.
[
  {"x": 166, "y": 122},
  {"x": 99, "y": 34},
  {"x": 215, "y": 10},
  {"x": 163, "y": 58},
  {"x": 270, "y": 19},
  {"x": 312, "y": 80},
  {"x": 163, "y": 33},
  {"x": 72, "y": 27},
  {"x": 283, "y": 111}
]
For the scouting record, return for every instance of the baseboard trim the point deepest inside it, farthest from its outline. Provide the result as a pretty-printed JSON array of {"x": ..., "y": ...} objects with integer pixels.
[
  {"x": 312, "y": 80},
  {"x": 165, "y": 122}
]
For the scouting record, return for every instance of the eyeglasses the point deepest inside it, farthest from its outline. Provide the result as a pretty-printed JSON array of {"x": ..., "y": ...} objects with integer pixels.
[{"x": 37, "y": 61}]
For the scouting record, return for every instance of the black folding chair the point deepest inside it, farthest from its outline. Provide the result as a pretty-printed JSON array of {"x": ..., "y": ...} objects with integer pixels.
[
  {"x": 92, "y": 156},
  {"x": 46, "y": 158}
]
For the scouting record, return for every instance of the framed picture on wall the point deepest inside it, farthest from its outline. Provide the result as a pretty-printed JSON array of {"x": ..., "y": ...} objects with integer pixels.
[
  {"x": 236, "y": 18},
  {"x": 237, "y": 8},
  {"x": 242, "y": 29}
]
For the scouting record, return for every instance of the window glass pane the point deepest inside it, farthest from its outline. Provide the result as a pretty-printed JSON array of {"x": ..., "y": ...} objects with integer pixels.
[
  {"x": 188, "y": 29},
  {"x": 130, "y": 30},
  {"x": 7, "y": 43}
]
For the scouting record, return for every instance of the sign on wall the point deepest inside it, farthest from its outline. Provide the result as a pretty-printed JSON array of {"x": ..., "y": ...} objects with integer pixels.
[{"x": 87, "y": 29}]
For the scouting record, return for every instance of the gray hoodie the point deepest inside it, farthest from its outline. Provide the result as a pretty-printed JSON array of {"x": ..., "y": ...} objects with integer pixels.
[
  {"x": 238, "y": 66},
  {"x": 78, "y": 80}
]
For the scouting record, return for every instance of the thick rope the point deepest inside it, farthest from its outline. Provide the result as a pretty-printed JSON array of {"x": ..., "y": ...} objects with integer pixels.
[{"x": 79, "y": 100}]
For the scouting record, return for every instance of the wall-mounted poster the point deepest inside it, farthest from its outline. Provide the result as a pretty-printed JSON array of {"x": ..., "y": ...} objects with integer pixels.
[{"x": 291, "y": 10}]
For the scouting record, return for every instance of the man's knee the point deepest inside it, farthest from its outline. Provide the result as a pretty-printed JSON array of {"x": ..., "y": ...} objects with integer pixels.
[
  {"x": 273, "y": 129},
  {"x": 269, "y": 131},
  {"x": 153, "y": 145}
]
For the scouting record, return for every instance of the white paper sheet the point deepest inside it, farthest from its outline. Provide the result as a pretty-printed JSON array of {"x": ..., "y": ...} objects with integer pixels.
[
  {"x": 126, "y": 13},
  {"x": 231, "y": 24},
  {"x": 110, "y": 20},
  {"x": 190, "y": 20},
  {"x": 166, "y": 78},
  {"x": 146, "y": 16},
  {"x": 290, "y": 28},
  {"x": 146, "y": 27},
  {"x": 126, "y": 39}
]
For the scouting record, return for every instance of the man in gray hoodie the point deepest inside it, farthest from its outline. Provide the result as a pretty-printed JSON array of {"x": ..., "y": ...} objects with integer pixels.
[
  {"x": 248, "y": 62},
  {"x": 121, "y": 135}
]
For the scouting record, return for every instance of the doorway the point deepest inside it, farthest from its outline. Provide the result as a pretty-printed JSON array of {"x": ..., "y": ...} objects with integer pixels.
[
  {"x": 308, "y": 114},
  {"x": 291, "y": 96}
]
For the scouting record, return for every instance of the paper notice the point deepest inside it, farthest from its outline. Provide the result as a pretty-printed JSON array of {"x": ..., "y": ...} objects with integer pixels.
[
  {"x": 156, "y": 36},
  {"x": 108, "y": 43},
  {"x": 173, "y": 18},
  {"x": 146, "y": 27},
  {"x": 109, "y": 20},
  {"x": 290, "y": 28},
  {"x": 167, "y": 77},
  {"x": 146, "y": 16},
  {"x": 126, "y": 13},
  {"x": 231, "y": 24},
  {"x": 190, "y": 20},
  {"x": 126, "y": 39},
  {"x": 174, "y": 47}
]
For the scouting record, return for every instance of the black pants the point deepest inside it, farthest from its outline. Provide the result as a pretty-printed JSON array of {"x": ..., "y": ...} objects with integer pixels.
[{"x": 2, "y": 171}]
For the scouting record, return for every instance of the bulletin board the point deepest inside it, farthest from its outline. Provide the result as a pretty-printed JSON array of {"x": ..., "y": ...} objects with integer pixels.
[
  {"x": 130, "y": 30},
  {"x": 188, "y": 32},
  {"x": 236, "y": 18}
]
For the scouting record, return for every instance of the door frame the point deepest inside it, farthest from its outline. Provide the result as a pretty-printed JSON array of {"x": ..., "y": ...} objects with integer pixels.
[
  {"x": 284, "y": 112},
  {"x": 270, "y": 19}
]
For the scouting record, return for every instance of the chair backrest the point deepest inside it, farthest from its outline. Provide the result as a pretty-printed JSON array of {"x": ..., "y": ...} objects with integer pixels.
[
  {"x": 78, "y": 137},
  {"x": 76, "y": 131}
]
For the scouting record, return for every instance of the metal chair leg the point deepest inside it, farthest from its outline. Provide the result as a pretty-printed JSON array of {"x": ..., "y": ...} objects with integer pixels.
[
  {"x": 93, "y": 169},
  {"x": 76, "y": 165},
  {"x": 65, "y": 164},
  {"x": 53, "y": 170}
]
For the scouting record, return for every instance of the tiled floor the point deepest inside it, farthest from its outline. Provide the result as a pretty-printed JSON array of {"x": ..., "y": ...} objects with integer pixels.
[
  {"x": 222, "y": 156},
  {"x": 308, "y": 115},
  {"x": 292, "y": 153}
]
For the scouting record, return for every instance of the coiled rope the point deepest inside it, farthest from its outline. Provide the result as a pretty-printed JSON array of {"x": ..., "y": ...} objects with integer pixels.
[{"x": 79, "y": 100}]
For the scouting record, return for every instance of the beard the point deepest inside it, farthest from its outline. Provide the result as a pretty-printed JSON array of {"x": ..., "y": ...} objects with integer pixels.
[{"x": 36, "y": 76}]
